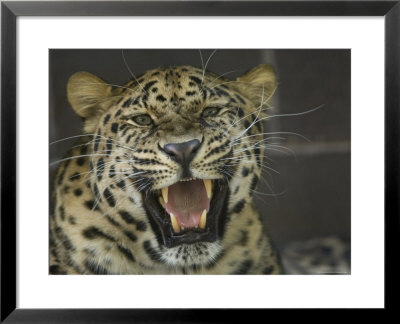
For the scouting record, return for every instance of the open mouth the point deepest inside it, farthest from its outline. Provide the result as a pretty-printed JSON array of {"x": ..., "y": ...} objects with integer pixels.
[{"x": 189, "y": 211}]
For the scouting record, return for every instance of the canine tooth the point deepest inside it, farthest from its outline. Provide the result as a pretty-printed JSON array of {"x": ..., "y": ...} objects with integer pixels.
[
  {"x": 164, "y": 192},
  {"x": 161, "y": 201},
  {"x": 208, "y": 185},
  {"x": 203, "y": 219},
  {"x": 174, "y": 223}
]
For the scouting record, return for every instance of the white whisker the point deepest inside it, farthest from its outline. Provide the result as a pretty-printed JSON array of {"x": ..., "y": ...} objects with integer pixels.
[
  {"x": 130, "y": 71},
  {"x": 205, "y": 67}
]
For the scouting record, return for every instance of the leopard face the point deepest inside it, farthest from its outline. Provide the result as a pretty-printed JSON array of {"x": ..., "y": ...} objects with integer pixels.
[{"x": 167, "y": 147}]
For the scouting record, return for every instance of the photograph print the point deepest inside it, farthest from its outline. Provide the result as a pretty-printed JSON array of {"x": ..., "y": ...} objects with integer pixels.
[{"x": 199, "y": 161}]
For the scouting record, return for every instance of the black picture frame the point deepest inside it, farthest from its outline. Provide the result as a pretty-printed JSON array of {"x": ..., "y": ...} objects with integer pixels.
[{"x": 10, "y": 10}]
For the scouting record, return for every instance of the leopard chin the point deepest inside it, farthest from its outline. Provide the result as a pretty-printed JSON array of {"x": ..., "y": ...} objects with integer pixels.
[{"x": 188, "y": 211}]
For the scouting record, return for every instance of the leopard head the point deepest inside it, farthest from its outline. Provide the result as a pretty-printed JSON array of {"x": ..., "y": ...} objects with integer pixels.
[{"x": 171, "y": 143}]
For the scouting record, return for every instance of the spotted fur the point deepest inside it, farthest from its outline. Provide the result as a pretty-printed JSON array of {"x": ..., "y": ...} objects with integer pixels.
[{"x": 99, "y": 224}]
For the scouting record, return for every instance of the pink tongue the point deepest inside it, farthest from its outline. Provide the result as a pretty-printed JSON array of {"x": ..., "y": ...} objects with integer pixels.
[{"x": 187, "y": 200}]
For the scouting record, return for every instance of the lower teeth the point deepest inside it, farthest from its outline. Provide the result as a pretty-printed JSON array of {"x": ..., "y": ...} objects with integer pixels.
[
  {"x": 177, "y": 228},
  {"x": 203, "y": 219},
  {"x": 174, "y": 223}
]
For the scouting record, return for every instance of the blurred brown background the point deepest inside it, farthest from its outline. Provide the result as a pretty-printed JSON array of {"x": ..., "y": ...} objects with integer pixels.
[{"x": 310, "y": 196}]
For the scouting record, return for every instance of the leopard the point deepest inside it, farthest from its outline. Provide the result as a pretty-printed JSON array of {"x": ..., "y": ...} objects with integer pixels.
[{"x": 162, "y": 178}]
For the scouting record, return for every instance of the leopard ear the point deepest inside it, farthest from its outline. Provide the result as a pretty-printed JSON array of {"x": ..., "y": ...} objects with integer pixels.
[
  {"x": 258, "y": 84},
  {"x": 88, "y": 95},
  {"x": 85, "y": 93}
]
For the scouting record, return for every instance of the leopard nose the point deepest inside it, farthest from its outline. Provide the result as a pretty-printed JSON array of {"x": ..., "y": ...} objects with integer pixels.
[{"x": 183, "y": 153}]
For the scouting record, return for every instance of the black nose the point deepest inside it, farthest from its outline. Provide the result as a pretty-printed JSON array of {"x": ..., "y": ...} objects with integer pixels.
[{"x": 183, "y": 153}]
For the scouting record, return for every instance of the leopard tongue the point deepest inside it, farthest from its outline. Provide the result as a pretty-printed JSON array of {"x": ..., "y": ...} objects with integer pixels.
[{"x": 186, "y": 201}]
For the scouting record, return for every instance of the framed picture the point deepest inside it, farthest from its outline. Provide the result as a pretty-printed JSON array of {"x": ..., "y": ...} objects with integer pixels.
[{"x": 326, "y": 161}]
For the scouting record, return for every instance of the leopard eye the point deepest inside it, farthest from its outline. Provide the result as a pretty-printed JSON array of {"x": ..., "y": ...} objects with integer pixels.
[
  {"x": 210, "y": 112},
  {"x": 143, "y": 120}
]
